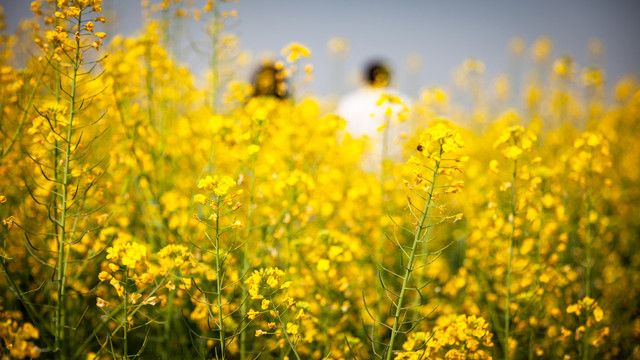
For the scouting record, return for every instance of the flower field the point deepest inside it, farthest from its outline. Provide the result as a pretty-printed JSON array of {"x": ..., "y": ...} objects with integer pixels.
[{"x": 145, "y": 215}]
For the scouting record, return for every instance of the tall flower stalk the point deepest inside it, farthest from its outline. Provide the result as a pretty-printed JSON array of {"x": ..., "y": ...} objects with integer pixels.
[
  {"x": 220, "y": 199},
  {"x": 592, "y": 157},
  {"x": 64, "y": 136},
  {"x": 437, "y": 157},
  {"x": 513, "y": 143}
]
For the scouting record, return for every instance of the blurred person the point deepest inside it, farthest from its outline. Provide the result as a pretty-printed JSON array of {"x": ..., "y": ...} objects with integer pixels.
[
  {"x": 366, "y": 119},
  {"x": 270, "y": 80}
]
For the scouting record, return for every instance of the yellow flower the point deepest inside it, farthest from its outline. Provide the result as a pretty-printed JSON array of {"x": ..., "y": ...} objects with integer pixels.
[
  {"x": 253, "y": 148},
  {"x": 292, "y": 328},
  {"x": 101, "y": 303},
  {"x": 73, "y": 11},
  {"x": 252, "y": 314},
  {"x": 224, "y": 185},
  {"x": 220, "y": 186},
  {"x": 133, "y": 298},
  {"x": 150, "y": 301},
  {"x": 265, "y": 304},
  {"x": 494, "y": 166},
  {"x": 598, "y": 314},
  {"x": 289, "y": 301},
  {"x": 8, "y": 222},
  {"x": 272, "y": 281},
  {"x": 574, "y": 308},
  {"x": 200, "y": 199},
  {"x": 512, "y": 152},
  {"x": 323, "y": 265},
  {"x": 116, "y": 284},
  {"x": 96, "y": 44},
  {"x": 104, "y": 276},
  {"x": 388, "y": 98},
  {"x": 293, "y": 51},
  {"x": 30, "y": 332},
  {"x": 133, "y": 253}
]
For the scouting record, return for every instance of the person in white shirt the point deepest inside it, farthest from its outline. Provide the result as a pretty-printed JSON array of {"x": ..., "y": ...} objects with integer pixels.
[{"x": 375, "y": 112}]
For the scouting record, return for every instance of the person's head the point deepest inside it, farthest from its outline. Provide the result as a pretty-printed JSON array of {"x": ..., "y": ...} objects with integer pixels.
[
  {"x": 269, "y": 80},
  {"x": 377, "y": 74}
]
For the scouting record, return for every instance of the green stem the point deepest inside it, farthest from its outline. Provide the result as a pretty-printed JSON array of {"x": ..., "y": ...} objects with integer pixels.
[
  {"x": 588, "y": 235},
  {"x": 379, "y": 248},
  {"x": 114, "y": 332},
  {"x": 218, "y": 284},
  {"x": 589, "y": 260},
  {"x": 507, "y": 314},
  {"x": 245, "y": 256},
  {"x": 167, "y": 325},
  {"x": 409, "y": 269},
  {"x": 284, "y": 328},
  {"x": 537, "y": 286},
  {"x": 125, "y": 320},
  {"x": 62, "y": 261}
]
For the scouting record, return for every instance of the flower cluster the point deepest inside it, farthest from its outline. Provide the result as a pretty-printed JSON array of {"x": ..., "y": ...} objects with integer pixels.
[
  {"x": 454, "y": 337},
  {"x": 264, "y": 285},
  {"x": 220, "y": 188},
  {"x": 18, "y": 337},
  {"x": 294, "y": 51},
  {"x": 514, "y": 141},
  {"x": 439, "y": 150}
]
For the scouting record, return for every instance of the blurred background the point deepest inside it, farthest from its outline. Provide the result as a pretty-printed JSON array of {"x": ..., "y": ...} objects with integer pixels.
[{"x": 425, "y": 42}]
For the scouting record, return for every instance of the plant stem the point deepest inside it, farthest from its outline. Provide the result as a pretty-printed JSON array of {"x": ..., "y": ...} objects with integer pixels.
[
  {"x": 125, "y": 318},
  {"x": 409, "y": 269},
  {"x": 218, "y": 283},
  {"x": 284, "y": 328},
  {"x": 60, "y": 320},
  {"x": 507, "y": 314},
  {"x": 589, "y": 260},
  {"x": 245, "y": 256},
  {"x": 588, "y": 235},
  {"x": 114, "y": 332}
]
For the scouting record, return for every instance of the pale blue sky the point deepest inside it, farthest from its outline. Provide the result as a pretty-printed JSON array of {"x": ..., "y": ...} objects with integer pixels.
[{"x": 444, "y": 33}]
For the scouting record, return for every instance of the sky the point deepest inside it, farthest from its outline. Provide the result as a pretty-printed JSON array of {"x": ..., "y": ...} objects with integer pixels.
[{"x": 442, "y": 33}]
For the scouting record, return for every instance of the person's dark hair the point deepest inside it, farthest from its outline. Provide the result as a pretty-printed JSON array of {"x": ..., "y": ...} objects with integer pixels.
[
  {"x": 268, "y": 80},
  {"x": 377, "y": 73}
]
